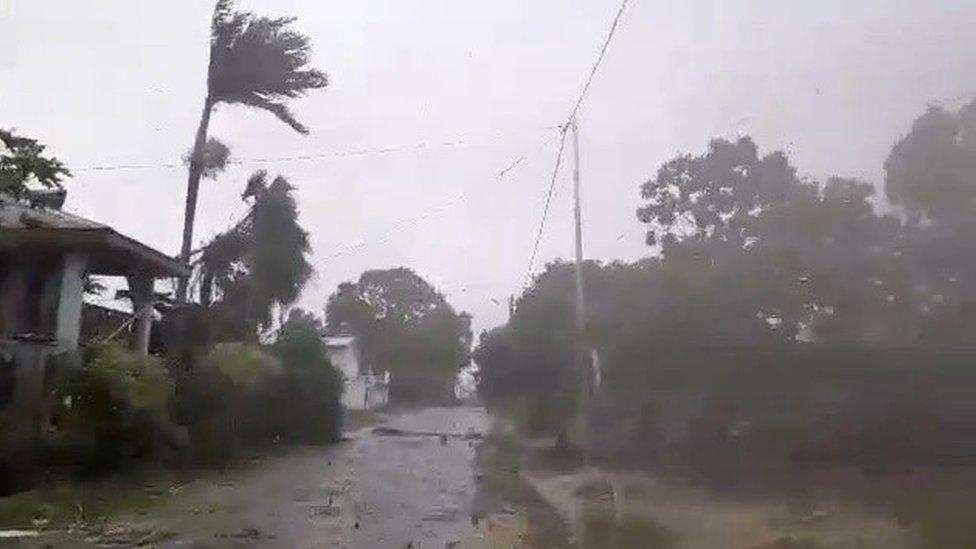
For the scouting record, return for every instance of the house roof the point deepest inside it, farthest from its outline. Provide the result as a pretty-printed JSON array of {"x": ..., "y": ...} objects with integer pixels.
[{"x": 110, "y": 252}]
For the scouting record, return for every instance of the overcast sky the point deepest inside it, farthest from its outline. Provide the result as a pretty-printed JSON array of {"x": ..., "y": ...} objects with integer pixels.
[{"x": 461, "y": 88}]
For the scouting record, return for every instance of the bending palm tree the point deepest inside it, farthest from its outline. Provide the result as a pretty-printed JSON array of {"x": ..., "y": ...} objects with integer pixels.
[{"x": 254, "y": 61}]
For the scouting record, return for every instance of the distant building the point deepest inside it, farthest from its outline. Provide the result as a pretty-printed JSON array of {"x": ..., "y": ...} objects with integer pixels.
[{"x": 362, "y": 389}]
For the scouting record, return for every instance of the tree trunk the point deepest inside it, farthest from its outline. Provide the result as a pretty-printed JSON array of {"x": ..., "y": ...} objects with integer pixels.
[
  {"x": 192, "y": 190},
  {"x": 206, "y": 289}
]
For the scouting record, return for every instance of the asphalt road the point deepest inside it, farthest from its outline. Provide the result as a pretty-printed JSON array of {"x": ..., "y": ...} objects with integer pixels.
[{"x": 410, "y": 482}]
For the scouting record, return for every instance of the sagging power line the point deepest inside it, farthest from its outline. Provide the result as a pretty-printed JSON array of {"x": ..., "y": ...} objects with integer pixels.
[
  {"x": 563, "y": 129},
  {"x": 351, "y": 153}
]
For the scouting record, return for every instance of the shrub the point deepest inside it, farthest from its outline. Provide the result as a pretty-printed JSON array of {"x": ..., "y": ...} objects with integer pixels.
[
  {"x": 219, "y": 399},
  {"x": 245, "y": 395},
  {"x": 310, "y": 387},
  {"x": 244, "y": 364},
  {"x": 113, "y": 409}
]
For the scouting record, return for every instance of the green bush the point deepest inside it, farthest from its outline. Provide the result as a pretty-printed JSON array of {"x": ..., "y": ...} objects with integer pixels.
[
  {"x": 242, "y": 395},
  {"x": 113, "y": 409},
  {"x": 244, "y": 364},
  {"x": 309, "y": 390}
]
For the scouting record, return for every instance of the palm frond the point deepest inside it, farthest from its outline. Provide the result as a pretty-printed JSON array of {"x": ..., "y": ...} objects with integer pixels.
[
  {"x": 280, "y": 110},
  {"x": 256, "y": 184},
  {"x": 213, "y": 158},
  {"x": 260, "y": 62}
]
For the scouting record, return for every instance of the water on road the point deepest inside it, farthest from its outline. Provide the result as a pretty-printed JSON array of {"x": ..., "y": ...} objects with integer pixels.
[{"x": 400, "y": 485}]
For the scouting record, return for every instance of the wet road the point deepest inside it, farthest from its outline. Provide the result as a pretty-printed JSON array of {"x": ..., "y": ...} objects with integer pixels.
[{"x": 401, "y": 485}]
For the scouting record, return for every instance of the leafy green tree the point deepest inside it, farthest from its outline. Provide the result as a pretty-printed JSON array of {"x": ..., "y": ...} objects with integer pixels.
[
  {"x": 257, "y": 62},
  {"x": 23, "y": 163},
  {"x": 404, "y": 326},
  {"x": 778, "y": 255},
  {"x": 929, "y": 172},
  {"x": 751, "y": 257},
  {"x": 261, "y": 263},
  {"x": 299, "y": 318},
  {"x": 529, "y": 366},
  {"x": 306, "y": 399},
  {"x": 931, "y": 175}
]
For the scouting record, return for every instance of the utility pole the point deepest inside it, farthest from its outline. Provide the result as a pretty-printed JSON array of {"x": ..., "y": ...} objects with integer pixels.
[{"x": 590, "y": 366}]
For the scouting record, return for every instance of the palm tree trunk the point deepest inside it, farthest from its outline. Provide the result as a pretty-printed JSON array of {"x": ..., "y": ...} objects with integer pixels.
[{"x": 192, "y": 190}]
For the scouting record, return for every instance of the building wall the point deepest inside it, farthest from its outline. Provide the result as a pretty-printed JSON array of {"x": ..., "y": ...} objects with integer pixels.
[
  {"x": 345, "y": 359},
  {"x": 379, "y": 395},
  {"x": 365, "y": 392},
  {"x": 360, "y": 390},
  {"x": 354, "y": 394}
]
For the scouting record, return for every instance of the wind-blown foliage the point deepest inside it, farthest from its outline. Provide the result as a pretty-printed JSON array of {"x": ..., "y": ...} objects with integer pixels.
[
  {"x": 213, "y": 158},
  {"x": 803, "y": 257},
  {"x": 778, "y": 316},
  {"x": 257, "y": 62},
  {"x": 23, "y": 163},
  {"x": 260, "y": 62},
  {"x": 311, "y": 388},
  {"x": 931, "y": 174},
  {"x": 261, "y": 263}
]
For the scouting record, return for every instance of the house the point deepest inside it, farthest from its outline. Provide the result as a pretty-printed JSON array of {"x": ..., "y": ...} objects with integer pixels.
[
  {"x": 45, "y": 257},
  {"x": 362, "y": 389}
]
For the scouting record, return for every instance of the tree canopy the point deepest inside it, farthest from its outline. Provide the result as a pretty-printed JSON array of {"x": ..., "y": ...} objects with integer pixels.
[
  {"x": 404, "y": 326},
  {"x": 260, "y": 62},
  {"x": 261, "y": 263},
  {"x": 23, "y": 163},
  {"x": 750, "y": 258}
]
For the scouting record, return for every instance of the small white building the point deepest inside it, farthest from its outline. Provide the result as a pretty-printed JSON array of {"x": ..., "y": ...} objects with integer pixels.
[{"x": 362, "y": 389}]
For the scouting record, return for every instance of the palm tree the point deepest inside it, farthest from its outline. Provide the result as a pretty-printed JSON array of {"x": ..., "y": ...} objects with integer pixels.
[
  {"x": 258, "y": 62},
  {"x": 261, "y": 263}
]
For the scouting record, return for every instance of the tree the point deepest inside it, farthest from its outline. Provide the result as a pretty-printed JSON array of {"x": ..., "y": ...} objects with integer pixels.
[
  {"x": 23, "y": 163},
  {"x": 930, "y": 171},
  {"x": 529, "y": 365},
  {"x": 212, "y": 158},
  {"x": 784, "y": 257},
  {"x": 257, "y": 62},
  {"x": 261, "y": 263},
  {"x": 931, "y": 175},
  {"x": 307, "y": 398},
  {"x": 406, "y": 327},
  {"x": 299, "y": 318}
]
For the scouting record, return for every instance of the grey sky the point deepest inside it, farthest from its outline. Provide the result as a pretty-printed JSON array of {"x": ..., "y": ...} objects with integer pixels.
[{"x": 117, "y": 82}]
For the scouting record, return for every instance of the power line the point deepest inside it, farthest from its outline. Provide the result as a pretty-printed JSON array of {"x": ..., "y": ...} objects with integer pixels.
[
  {"x": 599, "y": 60},
  {"x": 562, "y": 141},
  {"x": 395, "y": 229},
  {"x": 545, "y": 209},
  {"x": 409, "y": 223},
  {"x": 352, "y": 153}
]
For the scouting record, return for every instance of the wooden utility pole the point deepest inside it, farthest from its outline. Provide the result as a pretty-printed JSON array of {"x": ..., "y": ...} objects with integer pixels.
[{"x": 590, "y": 365}]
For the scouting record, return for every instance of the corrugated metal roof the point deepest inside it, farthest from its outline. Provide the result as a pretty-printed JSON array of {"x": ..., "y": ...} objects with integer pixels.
[
  {"x": 116, "y": 254},
  {"x": 22, "y": 216}
]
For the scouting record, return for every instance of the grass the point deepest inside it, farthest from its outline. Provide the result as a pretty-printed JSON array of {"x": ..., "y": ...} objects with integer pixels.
[
  {"x": 500, "y": 460},
  {"x": 631, "y": 531},
  {"x": 66, "y": 504}
]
